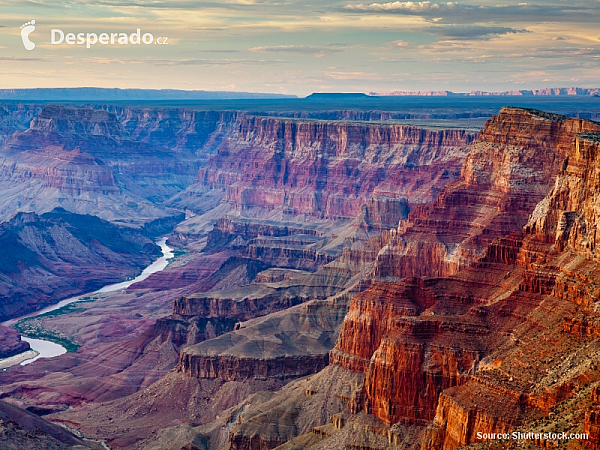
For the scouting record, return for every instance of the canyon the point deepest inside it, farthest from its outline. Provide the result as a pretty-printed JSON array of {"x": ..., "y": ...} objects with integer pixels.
[
  {"x": 59, "y": 254},
  {"x": 338, "y": 283},
  {"x": 491, "y": 337}
]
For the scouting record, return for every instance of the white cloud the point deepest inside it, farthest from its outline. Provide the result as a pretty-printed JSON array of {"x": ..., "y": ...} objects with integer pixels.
[{"x": 414, "y": 7}]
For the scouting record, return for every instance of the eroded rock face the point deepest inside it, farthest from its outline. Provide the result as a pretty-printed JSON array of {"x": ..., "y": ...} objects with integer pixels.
[
  {"x": 138, "y": 157},
  {"x": 85, "y": 161},
  {"x": 477, "y": 316},
  {"x": 220, "y": 287},
  {"x": 24, "y": 430},
  {"x": 457, "y": 352},
  {"x": 508, "y": 171},
  {"x": 568, "y": 215},
  {"x": 330, "y": 169},
  {"x": 253, "y": 300},
  {"x": 504, "y": 332},
  {"x": 403, "y": 338},
  {"x": 185, "y": 130},
  {"x": 288, "y": 344}
]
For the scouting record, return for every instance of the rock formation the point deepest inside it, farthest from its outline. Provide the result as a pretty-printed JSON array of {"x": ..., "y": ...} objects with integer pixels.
[
  {"x": 497, "y": 331},
  {"x": 288, "y": 344},
  {"x": 85, "y": 161},
  {"x": 507, "y": 172},
  {"x": 11, "y": 343},
  {"x": 23, "y": 430},
  {"x": 329, "y": 169},
  {"x": 457, "y": 351}
]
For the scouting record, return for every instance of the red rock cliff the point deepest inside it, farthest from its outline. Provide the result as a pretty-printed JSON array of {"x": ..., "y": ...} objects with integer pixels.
[
  {"x": 330, "y": 169},
  {"x": 484, "y": 349},
  {"x": 508, "y": 171}
]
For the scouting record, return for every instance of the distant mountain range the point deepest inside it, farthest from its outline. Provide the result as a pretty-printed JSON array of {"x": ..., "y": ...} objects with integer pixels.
[
  {"x": 595, "y": 92},
  {"x": 116, "y": 94},
  {"x": 93, "y": 94}
]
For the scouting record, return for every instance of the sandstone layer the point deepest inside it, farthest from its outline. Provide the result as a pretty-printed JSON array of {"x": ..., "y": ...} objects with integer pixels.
[
  {"x": 508, "y": 171},
  {"x": 470, "y": 352}
]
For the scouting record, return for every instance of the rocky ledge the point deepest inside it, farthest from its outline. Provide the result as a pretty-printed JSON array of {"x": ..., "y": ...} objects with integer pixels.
[{"x": 288, "y": 344}]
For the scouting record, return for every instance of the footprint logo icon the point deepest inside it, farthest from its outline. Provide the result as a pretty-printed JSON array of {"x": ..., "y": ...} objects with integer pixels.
[{"x": 26, "y": 30}]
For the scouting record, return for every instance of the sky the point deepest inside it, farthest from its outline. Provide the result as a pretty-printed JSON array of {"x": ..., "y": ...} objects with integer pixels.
[{"x": 299, "y": 47}]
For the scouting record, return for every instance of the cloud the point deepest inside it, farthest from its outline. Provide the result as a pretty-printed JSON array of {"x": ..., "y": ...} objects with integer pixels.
[
  {"x": 407, "y": 7},
  {"x": 353, "y": 75},
  {"x": 182, "y": 62},
  {"x": 210, "y": 62},
  {"x": 15, "y": 58},
  {"x": 581, "y": 54},
  {"x": 220, "y": 51},
  {"x": 454, "y": 12},
  {"x": 317, "y": 52},
  {"x": 467, "y": 32}
]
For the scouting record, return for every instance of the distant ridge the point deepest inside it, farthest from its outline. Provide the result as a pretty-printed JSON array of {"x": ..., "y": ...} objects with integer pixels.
[
  {"x": 336, "y": 95},
  {"x": 102, "y": 94},
  {"x": 572, "y": 91}
]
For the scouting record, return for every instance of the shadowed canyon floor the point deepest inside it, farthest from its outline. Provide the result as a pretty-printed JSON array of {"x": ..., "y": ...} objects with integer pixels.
[{"x": 337, "y": 284}]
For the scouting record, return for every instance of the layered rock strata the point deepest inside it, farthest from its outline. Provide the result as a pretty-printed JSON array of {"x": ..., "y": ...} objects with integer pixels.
[
  {"x": 508, "y": 171},
  {"x": 330, "y": 169},
  {"x": 85, "y": 161},
  {"x": 255, "y": 300},
  {"x": 458, "y": 351},
  {"x": 288, "y": 344},
  {"x": 504, "y": 336}
]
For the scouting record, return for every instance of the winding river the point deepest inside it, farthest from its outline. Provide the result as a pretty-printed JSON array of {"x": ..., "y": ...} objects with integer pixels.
[{"x": 49, "y": 349}]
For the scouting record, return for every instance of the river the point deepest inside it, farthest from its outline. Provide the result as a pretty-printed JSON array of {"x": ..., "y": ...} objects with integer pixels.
[{"x": 49, "y": 349}]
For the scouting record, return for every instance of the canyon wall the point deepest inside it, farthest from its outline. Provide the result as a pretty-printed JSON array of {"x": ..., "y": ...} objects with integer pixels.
[
  {"x": 146, "y": 159},
  {"x": 181, "y": 129},
  {"x": 11, "y": 343},
  {"x": 288, "y": 344},
  {"x": 508, "y": 171},
  {"x": 479, "y": 316},
  {"x": 451, "y": 350},
  {"x": 397, "y": 322},
  {"x": 85, "y": 161},
  {"x": 247, "y": 302},
  {"x": 329, "y": 169}
]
